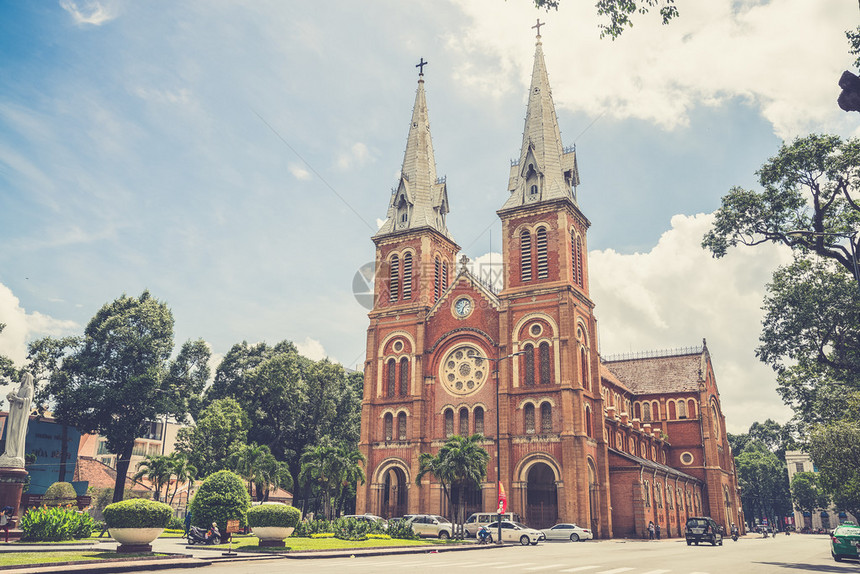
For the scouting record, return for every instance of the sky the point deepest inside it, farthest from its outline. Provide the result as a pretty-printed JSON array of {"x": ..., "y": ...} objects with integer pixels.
[{"x": 234, "y": 158}]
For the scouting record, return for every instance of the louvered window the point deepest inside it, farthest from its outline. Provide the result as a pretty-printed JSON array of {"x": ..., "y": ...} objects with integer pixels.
[
  {"x": 588, "y": 428},
  {"x": 583, "y": 364},
  {"x": 394, "y": 284},
  {"x": 436, "y": 283},
  {"x": 580, "y": 278},
  {"x": 389, "y": 424},
  {"x": 479, "y": 420},
  {"x": 392, "y": 378},
  {"x": 543, "y": 354},
  {"x": 444, "y": 275},
  {"x": 404, "y": 377},
  {"x": 401, "y": 426},
  {"x": 407, "y": 276},
  {"x": 526, "y": 255},
  {"x": 464, "y": 422},
  {"x": 449, "y": 423},
  {"x": 529, "y": 359},
  {"x": 546, "y": 418},
  {"x": 542, "y": 263},
  {"x": 530, "y": 418}
]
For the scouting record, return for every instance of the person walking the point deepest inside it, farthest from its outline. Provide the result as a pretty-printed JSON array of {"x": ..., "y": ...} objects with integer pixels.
[
  {"x": 657, "y": 531},
  {"x": 650, "y": 530}
]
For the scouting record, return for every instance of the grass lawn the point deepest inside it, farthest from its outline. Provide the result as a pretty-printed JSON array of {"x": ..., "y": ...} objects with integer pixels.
[
  {"x": 252, "y": 543},
  {"x": 21, "y": 558}
]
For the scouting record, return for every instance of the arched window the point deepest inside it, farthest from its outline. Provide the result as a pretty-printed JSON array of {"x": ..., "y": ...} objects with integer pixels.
[
  {"x": 389, "y": 426},
  {"x": 631, "y": 446},
  {"x": 583, "y": 366},
  {"x": 401, "y": 426},
  {"x": 588, "y": 428},
  {"x": 672, "y": 413},
  {"x": 580, "y": 278},
  {"x": 543, "y": 354},
  {"x": 529, "y": 415},
  {"x": 392, "y": 378},
  {"x": 529, "y": 359},
  {"x": 542, "y": 261},
  {"x": 546, "y": 418},
  {"x": 691, "y": 410},
  {"x": 479, "y": 420},
  {"x": 449, "y": 423},
  {"x": 526, "y": 255},
  {"x": 637, "y": 411},
  {"x": 394, "y": 278},
  {"x": 407, "y": 276},
  {"x": 404, "y": 377},
  {"x": 646, "y": 412},
  {"x": 647, "y": 490},
  {"x": 715, "y": 420},
  {"x": 682, "y": 410},
  {"x": 658, "y": 495},
  {"x": 655, "y": 410},
  {"x": 437, "y": 279},
  {"x": 444, "y": 275},
  {"x": 464, "y": 422}
]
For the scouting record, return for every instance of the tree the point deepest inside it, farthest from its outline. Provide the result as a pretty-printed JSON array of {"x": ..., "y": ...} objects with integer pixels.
[
  {"x": 221, "y": 429},
  {"x": 318, "y": 473},
  {"x": 157, "y": 469},
  {"x": 349, "y": 471},
  {"x": 835, "y": 450},
  {"x": 7, "y": 368},
  {"x": 118, "y": 376},
  {"x": 183, "y": 470},
  {"x": 807, "y": 494},
  {"x": 763, "y": 480},
  {"x": 256, "y": 464},
  {"x": 461, "y": 463},
  {"x": 620, "y": 11}
]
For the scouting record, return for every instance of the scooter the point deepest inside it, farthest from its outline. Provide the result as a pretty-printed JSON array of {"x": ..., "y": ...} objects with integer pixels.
[
  {"x": 484, "y": 536},
  {"x": 735, "y": 535},
  {"x": 197, "y": 535}
]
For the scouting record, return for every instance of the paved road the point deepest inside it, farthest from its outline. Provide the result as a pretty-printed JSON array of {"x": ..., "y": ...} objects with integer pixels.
[{"x": 785, "y": 555}]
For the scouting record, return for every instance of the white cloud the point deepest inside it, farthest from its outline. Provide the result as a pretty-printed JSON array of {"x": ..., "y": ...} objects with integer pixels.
[
  {"x": 312, "y": 349},
  {"x": 23, "y": 327},
  {"x": 489, "y": 269},
  {"x": 299, "y": 172},
  {"x": 356, "y": 156},
  {"x": 676, "y": 294},
  {"x": 784, "y": 57},
  {"x": 89, "y": 11}
]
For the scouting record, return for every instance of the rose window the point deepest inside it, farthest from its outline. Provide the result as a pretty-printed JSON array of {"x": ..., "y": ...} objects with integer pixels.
[{"x": 464, "y": 370}]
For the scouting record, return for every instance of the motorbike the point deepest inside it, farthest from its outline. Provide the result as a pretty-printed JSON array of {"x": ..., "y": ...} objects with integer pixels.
[
  {"x": 735, "y": 536},
  {"x": 484, "y": 536},
  {"x": 197, "y": 535}
]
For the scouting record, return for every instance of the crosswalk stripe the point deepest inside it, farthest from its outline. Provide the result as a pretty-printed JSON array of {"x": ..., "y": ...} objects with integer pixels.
[
  {"x": 580, "y": 568},
  {"x": 547, "y": 567},
  {"x": 514, "y": 565},
  {"x": 615, "y": 571}
]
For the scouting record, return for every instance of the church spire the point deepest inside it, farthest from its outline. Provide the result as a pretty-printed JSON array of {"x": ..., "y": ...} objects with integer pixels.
[
  {"x": 545, "y": 170},
  {"x": 420, "y": 199}
]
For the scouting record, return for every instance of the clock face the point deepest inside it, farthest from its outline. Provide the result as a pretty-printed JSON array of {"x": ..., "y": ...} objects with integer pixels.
[{"x": 463, "y": 307}]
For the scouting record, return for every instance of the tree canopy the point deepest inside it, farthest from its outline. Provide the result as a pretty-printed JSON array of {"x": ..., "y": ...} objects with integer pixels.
[
  {"x": 807, "y": 494},
  {"x": 220, "y": 431},
  {"x": 620, "y": 12},
  {"x": 835, "y": 450}
]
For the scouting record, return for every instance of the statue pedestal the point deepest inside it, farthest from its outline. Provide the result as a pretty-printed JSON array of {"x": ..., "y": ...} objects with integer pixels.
[{"x": 12, "y": 482}]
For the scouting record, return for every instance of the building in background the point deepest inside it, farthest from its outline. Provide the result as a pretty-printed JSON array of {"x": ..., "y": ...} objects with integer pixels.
[
  {"x": 824, "y": 518},
  {"x": 159, "y": 439},
  {"x": 55, "y": 448}
]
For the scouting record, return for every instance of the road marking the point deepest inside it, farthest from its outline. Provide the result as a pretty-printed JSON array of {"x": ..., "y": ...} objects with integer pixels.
[
  {"x": 580, "y": 568},
  {"x": 615, "y": 571},
  {"x": 656, "y": 572},
  {"x": 547, "y": 567},
  {"x": 515, "y": 565}
]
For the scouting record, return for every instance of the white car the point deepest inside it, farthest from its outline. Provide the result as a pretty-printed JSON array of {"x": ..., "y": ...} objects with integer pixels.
[
  {"x": 567, "y": 531},
  {"x": 515, "y": 532},
  {"x": 431, "y": 525}
]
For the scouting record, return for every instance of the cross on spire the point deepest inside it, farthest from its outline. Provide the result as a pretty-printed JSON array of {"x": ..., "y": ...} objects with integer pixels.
[
  {"x": 538, "y": 25},
  {"x": 420, "y": 65}
]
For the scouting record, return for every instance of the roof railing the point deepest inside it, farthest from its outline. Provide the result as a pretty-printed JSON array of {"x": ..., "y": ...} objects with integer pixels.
[{"x": 655, "y": 354}]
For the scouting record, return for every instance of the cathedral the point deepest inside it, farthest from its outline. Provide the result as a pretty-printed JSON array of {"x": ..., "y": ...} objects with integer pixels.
[{"x": 608, "y": 443}]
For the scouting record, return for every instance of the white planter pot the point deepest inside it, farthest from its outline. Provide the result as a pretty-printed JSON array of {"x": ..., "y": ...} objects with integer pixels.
[
  {"x": 132, "y": 536},
  {"x": 272, "y": 532}
]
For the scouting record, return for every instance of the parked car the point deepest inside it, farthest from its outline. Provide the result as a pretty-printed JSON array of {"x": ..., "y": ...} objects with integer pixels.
[
  {"x": 515, "y": 532},
  {"x": 567, "y": 531},
  {"x": 431, "y": 525},
  {"x": 703, "y": 529},
  {"x": 845, "y": 541},
  {"x": 479, "y": 519}
]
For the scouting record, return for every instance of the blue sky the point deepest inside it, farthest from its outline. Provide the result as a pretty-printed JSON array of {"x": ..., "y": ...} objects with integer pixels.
[{"x": 234, "y": 158}]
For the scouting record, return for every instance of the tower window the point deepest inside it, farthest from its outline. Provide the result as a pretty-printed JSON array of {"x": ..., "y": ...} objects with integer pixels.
[
  {"x": 542, "y": 263},
  {"x": 464, "y": 422},
  {"x": 533, "y": 191},
  {"x": 404, "y": 377},
  {"x": 392, "y": 378},
  {"x": 583, "y": 363},
  {"x": 436, "y": 283},
  {"x": 479, "y": 420},
  {"x": 389, "y": 426},
  {"x": 449, "y": 423},
  {"x": 529, "y": 358},
  {"x": 394, "y": 283},
  {"x": 526, "y": 255},
  {"x": 407, "y": 276},
  {"x": 543, "y": 353},
  {"x": 444, "y": 275},
  {"x": 580, "y": 278},
  {"x": 546, "y": 418},
  {"x": 588, "y": 429},
  {"x": 529, "y": 415},
  {"x": 401, "y": 426}
]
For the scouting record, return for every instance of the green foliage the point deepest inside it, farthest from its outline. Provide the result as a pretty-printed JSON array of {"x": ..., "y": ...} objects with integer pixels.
[
  {"x": 273, "y": 515},
  {"x": 53, "y": 524},
  {"x": 401, "y": 529},
  {"x": 835, "y": 450},
  {"x": 343, "y": 528},
  {"x": 854, "y": 39},
  {"x": 327, "y": 469},
  {"x": 60, "y": 494},
  {"x": 221, "y": 429},
  {"x": 222, "y": 496},
  {"x": 807, "y": 494},
  {"x": 258, "y": 466},
  {"x": 176, "y": 523},
  {"x": 138, "y": 513},
  {"x": 763, "y": 480},
  {"x": 8, "y": 373},
  {"x": 101, "y": 497},
  {"x": 307, "y": 528},
  {"x": 619, "y": 12},
  {"x": 118, "y": 376}
]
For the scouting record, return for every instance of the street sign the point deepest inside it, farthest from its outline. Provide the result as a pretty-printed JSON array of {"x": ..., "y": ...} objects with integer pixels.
[{"x": 232, "y": 526}]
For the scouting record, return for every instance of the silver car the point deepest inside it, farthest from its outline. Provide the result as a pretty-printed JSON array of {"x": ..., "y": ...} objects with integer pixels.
[
  {"x": 515, "y": 532},
  {"x": 431, "y": 525},
  {"x": 567, "y": 531}
]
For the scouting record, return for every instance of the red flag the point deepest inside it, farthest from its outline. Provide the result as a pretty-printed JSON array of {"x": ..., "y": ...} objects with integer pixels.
[{"x": 503, "y": 499}]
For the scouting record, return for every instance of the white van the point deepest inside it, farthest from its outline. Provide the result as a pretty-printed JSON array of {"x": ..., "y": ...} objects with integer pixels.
[{"x": 479, "y": 519}]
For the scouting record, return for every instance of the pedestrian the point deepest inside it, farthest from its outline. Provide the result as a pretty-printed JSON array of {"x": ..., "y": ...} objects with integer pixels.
[
  {"x": 6, "y": 520},
  {"x": 187, "y": 522},
  {"x": 657, "y": 531},
  {"x": 650, "y": 530}
]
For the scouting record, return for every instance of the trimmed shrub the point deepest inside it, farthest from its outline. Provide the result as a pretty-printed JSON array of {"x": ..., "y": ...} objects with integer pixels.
[
  {"x": 138, "y": 513},
  {"x": 401, "y": 529},
  {"x": 307, "y": 528},
  {"x": 60, "y": 494},
  {"x": 52, "y": 524},
  {"x": 222, "y": 496},
  {"x": 273, "y": 515}
]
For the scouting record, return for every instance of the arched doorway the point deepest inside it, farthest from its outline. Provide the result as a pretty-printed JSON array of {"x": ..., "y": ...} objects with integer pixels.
[
  {"x": 593, "y": 497},
  {"x": 394, "y": 493},
  {"x": 541, "y": 497}
]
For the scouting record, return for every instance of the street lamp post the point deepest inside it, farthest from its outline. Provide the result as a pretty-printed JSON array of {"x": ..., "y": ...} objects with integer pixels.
[
  {"x": 498, "y": 436},
  {"x": 852, "y": 241}
]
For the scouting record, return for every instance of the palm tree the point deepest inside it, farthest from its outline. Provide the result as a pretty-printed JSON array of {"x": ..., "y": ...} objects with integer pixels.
[
  {"x": 256, "y": 464},
  {"x": 350, "y": 471},
  {"x": 318, "y": 471},
  {"x": 460, "y": 463},
  {"x": 184, "y": 471},
  {"x": 157, "y": 469}
]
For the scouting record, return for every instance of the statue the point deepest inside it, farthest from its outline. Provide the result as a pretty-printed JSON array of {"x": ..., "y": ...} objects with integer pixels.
[{"x": 16, "y": 423}]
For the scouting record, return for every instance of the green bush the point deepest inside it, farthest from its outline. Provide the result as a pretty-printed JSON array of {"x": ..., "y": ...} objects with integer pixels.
[
  {"x": 307, "y": 528},
  {"x": 222, "y": 496},
  {"x": 273, "y": 515},
  {"x": 101, "y": 497},
  {"x": 138, "y": 513},
  {"x": 401, "y": 529},
  {"x": 51, "y": 524},
  {"x": 60, "y": 494},
  {"x": 176, "y": 523}
]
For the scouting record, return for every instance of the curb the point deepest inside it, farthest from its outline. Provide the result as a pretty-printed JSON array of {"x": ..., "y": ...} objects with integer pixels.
[{"x": 107, "y": 567}]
